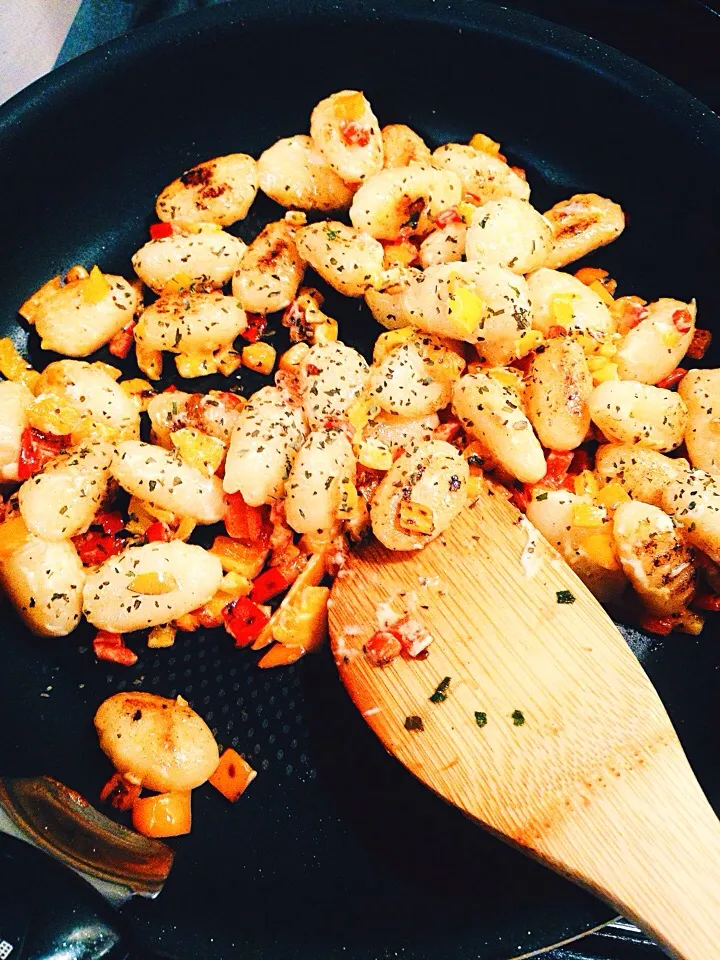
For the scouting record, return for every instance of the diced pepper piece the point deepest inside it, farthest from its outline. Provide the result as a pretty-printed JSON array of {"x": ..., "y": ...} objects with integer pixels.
[
  {"x": 349, "y": 499},
  {"x": 13, "y": 534},
  {"x": 268, "y": 585},
  {"x": 256, "y": 324},
  {"x": 447, "y": 431},
  {"x": 311, "y": 574},
  {"x": 465, "y": 307},
  {"x": 153, "y": 584},
  {"x": 245, "y": 559},
  {"x": 232, "y": 776},
  {"x": 196, "y": 448},
  {"x": 611, "y": 495},
  {"x": 446, "y": 217},
  {"x": 280, "y": 656},
  {"x": 416, "y": 517},
  {"x": 185, "y": 528},
  {"x": 188, "y": 623},
  {"x": 528, "y": 341},
  {"x": 683, "y": 320},
  {"x": 707, "y": 601},
  {"x": 699, "y": 344},
  {"x": 148, "y": 360},
  {"x": 389, "y": 341},
  {"x": 15, "y": 367},
  {"x": 557, "y": 465},
  {"x": 179, "y": 282},
  {"x": 326, "y": 331},
  {"x": 350, "y": 106},
  {"x": 672, "y": 379},
  {"x": 602, "y": 291},
  {"x": 375, "y": 454},
  {"x": 36, "y": 449},
  {"x": 111, "y": 523},
  {"x": 243, "y": 522},
  {"x": 259, "y": 357},
  {"x": 354, "y": 134},
  {"x": 586, "y": 483},
  {"x": 157, "y": 532},
  {"x": 160, "y": 230},
  {"x": 161, "y": 637},
  {"x": 120, "y": 793},
  {"x": 660, "y": 625},
  {"x": 561, "y": 309},
  {"x": 403, "y": 253},
  {"x": 608, "y": 372},
  {"x": 382, "y": 648},
  {"x": 485, "y": 144},
  {"x": 292, "y": 359},
  {"x": 95, "y": 287},
  {"x": 588, "y": 275},
  {"x": 53, "y": 415},
  {"x": 588, "y": 515},
  {"x": 111, "y": 647},
  {"x": 244, "y": 621},
  {"x": 94, "y": 548},
  {"x": 303, "y": 623},
  {"x": 629, "y": 312},
  {"x": 121, "y": 343},
  {"x": 164, "y": 815},
  {"x": 600, "y": 548}
]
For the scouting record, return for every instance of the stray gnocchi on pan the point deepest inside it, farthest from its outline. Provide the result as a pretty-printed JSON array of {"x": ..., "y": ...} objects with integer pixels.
[{"x": 148, "y": 507}]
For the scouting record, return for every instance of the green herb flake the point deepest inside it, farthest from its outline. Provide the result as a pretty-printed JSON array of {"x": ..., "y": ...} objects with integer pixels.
[
  {"x": 480, "y": 718},
  {"x": 564, "y": 596},
  {"x": 541, "y": 496},
  {"x": 440, "y": 695},
  {"x": 415, "y": 724},
  {"x": 517, "y": 718}
]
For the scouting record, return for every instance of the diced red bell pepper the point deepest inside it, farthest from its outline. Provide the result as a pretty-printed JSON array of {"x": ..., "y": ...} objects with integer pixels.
[
  {"x": 111, "y": 523},
  {"x": 447, "y": 217},
  {"x": 699, "y": 344},
  {"x": 256, "y": 324},
  {"x": 36, "y": 449},
  {"x": 121, "y": 794},
  {"x": 581, "y": 461},
  {"x": 521, "y": 497},
  {"x": 557, "y": 466},
  {"x": 160, "y": 230},
  {"x": 121, "y": 344},
  {"x": 243, "y": 522},
  {"x": 672, "y": 379},
  {"x": 660, "y": 625},
  {"x": 268, "y": 585},
  {"x": 354, "y": 134},
  {"x": 94, "y": 547},
  {"x": 157, "y": 532},
  {"x": 170, "y": 388},
  {"x": 707, "y": 601},
  {"x": 683, "y": 320},
  {"x": 243, "y": 621},
  {"x": 232, "y": 400},
  {"x": 555, "y": 330},
  {"x": 382, "y": 648},
  {"x": 111, "y": 647},
  {"x": 447, "y": 431}
]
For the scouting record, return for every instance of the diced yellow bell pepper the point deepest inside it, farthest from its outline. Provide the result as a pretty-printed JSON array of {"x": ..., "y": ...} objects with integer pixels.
[
  {"x": 198, "y": 449},
  {"x": 228, "y": 361},
  {"x": 527, "y": 341},
  {"x": 188, "y": 622},
  {"x": 15, "y": 367},
  {"x": 280, "y": 656},
  {"x": 611, "y": 495},
  {"x": 244, "y": 559},
  {"x": 671, "y": 337},
  {"x": 13, "y": 534},
  {"x": 349, "y": 106},
  {"x": 590, "y": 345},
  {"x": 185, "y": 528},
  {"x": 140, "y": 392},
  {"x": 50, "y": 413},
  {"x": 310, "y": 576},
  {"x": 561, "y": 309},
  {"x": 507, "y": 377},
  {"x": 95, "y": 288},
  {"x": 113, "y": 372},
  {"x": 139, "y": 507},
  {"x": 600, "y": 548},
  {"x": 416, "y": 517},
  {"x": 234, "y": 586},
  {"x": 389, "y": 341},
  {"x": 149, "y": 361},
  {"x": 259, "y": 357},
  {"x": 588, "y": 515},
  {"x": 466, "y": 211},
  {"x": 485, "y": 144},
  {"x": 607, "y": 349},
  {"x": 690, "y": 622},
  {"x": 189, "y": 227},
  {"x": 596, "y": 362},
  {"x": 304, "y": 622},
  {"x": 608, "y": 372},
  {"x": 179, "y": 282},
  {"x": 153, "y": 584},
  {"x": 375, "y": 454},
  {"x": 476, "y": 484},
  {"x": 586, "y": 483},
  {"x": 465, "y": 307},
  {"x": 194, "y": 365},
  {"x": 292, "y": 359},
  {"x": 348, "y": 499},
  {"x": 359, "y": 413},
  {"x": 326, "y": 331},
  {"x": 602, "y": 291},
  {"x": 160, "y": 637},
  {"x": 402, "y": 253}
]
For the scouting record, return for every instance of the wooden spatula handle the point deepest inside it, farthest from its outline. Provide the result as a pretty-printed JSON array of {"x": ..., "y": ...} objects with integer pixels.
[{"x": 657, "y": 859}]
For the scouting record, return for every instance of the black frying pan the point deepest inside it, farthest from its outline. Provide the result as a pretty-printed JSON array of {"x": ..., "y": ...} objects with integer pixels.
[{"x": 335, "y": 851}]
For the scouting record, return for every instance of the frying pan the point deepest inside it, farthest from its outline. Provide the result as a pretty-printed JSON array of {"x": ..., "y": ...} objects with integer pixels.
[{"x": 335, "y": 851}]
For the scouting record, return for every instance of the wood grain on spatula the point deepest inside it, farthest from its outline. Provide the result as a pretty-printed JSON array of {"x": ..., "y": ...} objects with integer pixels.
[{"x": 589, "y": 775}]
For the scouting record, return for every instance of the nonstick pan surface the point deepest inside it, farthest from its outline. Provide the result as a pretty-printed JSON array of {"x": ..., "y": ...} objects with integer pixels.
[{"x": 335, "y": 851}]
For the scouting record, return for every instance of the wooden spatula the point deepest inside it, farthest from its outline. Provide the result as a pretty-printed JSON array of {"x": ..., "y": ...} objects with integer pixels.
[{"x": 548, "y": 733}]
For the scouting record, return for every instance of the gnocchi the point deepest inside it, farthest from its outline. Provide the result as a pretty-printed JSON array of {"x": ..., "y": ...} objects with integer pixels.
[
  {"x": 483, "y": 176},
  {"x": 346, "y": 131},
  {"x": 295, "y": 174},
  {"x": 629, "y": 412},
  {"x": 207, "y": 257},
  {"x": 216, "y": 191},
  {"x": 271, "y": 271},
  {"x": 318, "y": 481},
  {"x": 510, "y": 232},
  {"x": 652, "y": 349},
  {"x": 349, "y": 260},
  {"x": 700, "y": 390}
]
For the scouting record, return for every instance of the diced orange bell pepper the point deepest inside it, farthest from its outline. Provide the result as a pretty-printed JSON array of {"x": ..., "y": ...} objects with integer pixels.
[
  {"x": 247, "y": 559},
  {"x": 13, "y": 534},
  {"x": 233, "y": 775},
  {"x": 243, "y": 522},
  {"x": 280, "y": 656},
  {"x": 164, "y": 815}
]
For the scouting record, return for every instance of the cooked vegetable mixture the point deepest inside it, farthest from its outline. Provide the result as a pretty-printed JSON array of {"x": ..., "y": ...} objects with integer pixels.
[{"x": 496, "y": 366}]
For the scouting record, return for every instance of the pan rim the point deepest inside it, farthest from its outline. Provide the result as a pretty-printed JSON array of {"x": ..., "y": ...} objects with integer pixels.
[{"x": 479, "y": 15}]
